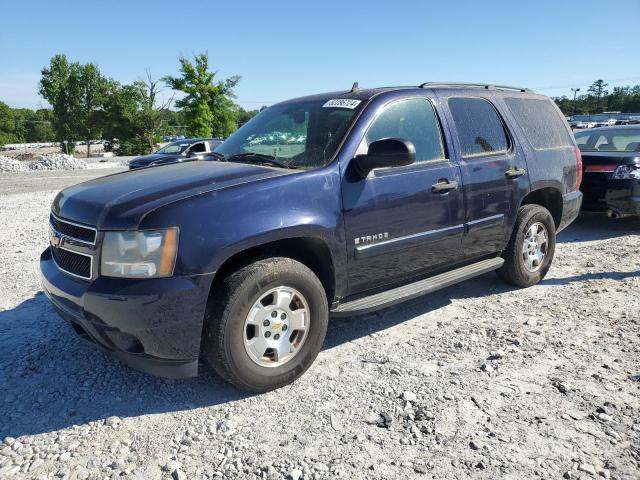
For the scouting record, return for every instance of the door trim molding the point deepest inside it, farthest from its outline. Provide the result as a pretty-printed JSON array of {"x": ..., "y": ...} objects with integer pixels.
[
  {"x": 486, "y": 222},
  {"x": 408, "y": 241}
]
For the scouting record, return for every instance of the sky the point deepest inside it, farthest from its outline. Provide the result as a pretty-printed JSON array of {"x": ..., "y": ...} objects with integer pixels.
[{"x": 285, "y": 49}]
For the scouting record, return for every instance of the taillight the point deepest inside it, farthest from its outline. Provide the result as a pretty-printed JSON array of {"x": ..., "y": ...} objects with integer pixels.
[{"x": 578, "y": 168}]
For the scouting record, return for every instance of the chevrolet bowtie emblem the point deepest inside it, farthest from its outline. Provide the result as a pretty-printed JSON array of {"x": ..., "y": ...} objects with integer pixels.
[{"x": 54, "y": 239}]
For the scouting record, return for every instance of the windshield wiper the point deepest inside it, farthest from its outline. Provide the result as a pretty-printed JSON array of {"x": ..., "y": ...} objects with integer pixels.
[{"x": 259, "y": 157}]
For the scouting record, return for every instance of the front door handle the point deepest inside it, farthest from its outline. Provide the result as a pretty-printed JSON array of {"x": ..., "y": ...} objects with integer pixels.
[
  {"x": 444, "y": 186},
  {"x": 515, "y": 172}
]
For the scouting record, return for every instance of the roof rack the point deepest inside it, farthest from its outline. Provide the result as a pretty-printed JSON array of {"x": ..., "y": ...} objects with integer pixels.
[{"x": 473, "y": 85}]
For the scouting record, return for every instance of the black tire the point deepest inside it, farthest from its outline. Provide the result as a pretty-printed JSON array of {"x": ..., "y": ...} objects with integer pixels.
[
  {"x": 224, "y": 330},
  {"x": 514, "y": 270}
]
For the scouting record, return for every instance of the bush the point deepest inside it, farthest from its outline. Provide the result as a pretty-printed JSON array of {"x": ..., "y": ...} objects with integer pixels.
[{"x": 133, "y": 146}]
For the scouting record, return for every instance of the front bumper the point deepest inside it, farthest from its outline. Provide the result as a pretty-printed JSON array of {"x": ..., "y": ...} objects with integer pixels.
[
  {"x": 153, "y": 325},
  {"x": 571, "y": 203},
  {"x": 602, "y": 194}
]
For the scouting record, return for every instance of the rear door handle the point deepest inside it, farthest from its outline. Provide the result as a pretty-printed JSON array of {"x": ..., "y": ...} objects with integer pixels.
[
  {"x": 515, "y": 172},
  {"x": 444, "y": 186}
]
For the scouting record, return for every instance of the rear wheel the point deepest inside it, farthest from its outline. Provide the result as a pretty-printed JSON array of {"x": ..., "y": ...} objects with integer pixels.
[
  {"x": 528, "y": 255},
  {"x": 265, "y": 324}
]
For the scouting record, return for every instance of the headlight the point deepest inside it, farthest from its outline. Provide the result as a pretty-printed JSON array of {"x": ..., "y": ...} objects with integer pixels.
[
  {"x": 139, "y": 254},
  {"x": 624, "y": 172}
]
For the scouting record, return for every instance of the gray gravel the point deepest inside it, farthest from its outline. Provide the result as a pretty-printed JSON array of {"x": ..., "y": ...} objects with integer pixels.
[{"x": 476, "y": 381}]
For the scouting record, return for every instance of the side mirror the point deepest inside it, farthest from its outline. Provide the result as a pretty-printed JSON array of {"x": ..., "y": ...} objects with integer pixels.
[{"x": 388, "y": 152}]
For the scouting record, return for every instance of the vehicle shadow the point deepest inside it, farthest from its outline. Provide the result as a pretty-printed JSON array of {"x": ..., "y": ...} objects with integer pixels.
[
  {"x": 51, "y": 379},
  {"x": 593, "y": 226}
]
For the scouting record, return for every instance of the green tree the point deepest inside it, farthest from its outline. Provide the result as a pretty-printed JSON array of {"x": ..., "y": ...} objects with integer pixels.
[
  {"x": 152, "y": 117},
  {"x": 624, "y": 99},
  {"x": 77, "y": 94},
  {"x": 7, "y": 125},
  {"x": 92, "y": 94},
  {"x": 56, "y": 88},
  {"x": 598, "y": 90},
  {"x": 207, "y": 105},
  {"x": 244, "y": 116}
]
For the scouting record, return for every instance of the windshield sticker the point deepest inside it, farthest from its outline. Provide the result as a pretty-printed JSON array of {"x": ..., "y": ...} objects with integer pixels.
[{"x": 342, "y": 103}]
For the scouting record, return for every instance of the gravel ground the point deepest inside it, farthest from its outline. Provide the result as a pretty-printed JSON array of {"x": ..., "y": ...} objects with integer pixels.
[{"x": 476, "y": 381}]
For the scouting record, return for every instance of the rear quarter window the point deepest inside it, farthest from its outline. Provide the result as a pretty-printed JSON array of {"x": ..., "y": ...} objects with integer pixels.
[{"x": 540, "y": 122}]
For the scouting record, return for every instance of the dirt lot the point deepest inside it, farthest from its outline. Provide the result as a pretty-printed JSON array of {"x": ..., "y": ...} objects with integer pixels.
[{"x": 476, "y": 381}]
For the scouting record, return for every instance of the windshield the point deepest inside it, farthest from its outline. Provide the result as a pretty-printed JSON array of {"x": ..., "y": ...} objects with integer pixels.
[
  {"x": 303, "y": 134},
  {"x": 611, "y": 140},
  {"x": 175, "y": 147}
]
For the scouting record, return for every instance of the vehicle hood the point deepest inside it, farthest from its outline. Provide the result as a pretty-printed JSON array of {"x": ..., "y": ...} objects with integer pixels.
[
  {"x": 120, "y": 201},
  {"x": 154, "y": 157}
]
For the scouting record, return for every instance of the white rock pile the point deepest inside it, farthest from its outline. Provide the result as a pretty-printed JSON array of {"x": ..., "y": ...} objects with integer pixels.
[
  {"x": 57, "y": 161},
  {"x": 12, "y": 165}
]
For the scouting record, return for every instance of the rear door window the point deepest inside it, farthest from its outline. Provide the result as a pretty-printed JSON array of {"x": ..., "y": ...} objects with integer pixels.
[
  {"x": 480, "y": 130},
  {"x": 540, "y": 122}
]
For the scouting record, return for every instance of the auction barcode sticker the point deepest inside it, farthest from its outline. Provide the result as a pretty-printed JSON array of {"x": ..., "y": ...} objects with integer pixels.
[{"x": 342, "y": 103}]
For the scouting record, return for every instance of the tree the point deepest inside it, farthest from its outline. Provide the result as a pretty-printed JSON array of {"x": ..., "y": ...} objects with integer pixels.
[
  {"x": 208, "y": 108},
  {"x": 77, "y": 94},
  {"x": 152, "y": 117},
  {"x": 244, "y": 116},
  {"x": 55, "y": 88},
  {"x": 597, "y": 89},
  {"x": 7, "y": 124},
  {"x": 92, "y": 88},
  {"x": 598, "y": 99}
]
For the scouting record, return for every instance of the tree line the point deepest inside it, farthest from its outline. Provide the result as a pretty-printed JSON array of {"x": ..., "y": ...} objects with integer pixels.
[
  {"x": 597, "y": 98},
  {"x": 88, "y": 105}
]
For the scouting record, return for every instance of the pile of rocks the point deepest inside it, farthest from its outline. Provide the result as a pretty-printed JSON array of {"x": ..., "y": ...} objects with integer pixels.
[
  {"x": 57, "y": 161},
  {"x": 11, "y": 165}
]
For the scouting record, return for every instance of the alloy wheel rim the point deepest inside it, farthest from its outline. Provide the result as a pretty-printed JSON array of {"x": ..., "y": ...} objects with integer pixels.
[
  {"x": 535, "y": 246},
  {"x": 276, "y": 327}
]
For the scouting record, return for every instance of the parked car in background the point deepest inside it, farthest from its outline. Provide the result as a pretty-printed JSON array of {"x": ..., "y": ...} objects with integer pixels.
[
  {"x": 611, "y": 159},
  {"x": 186, "y": 150},
  {"x": 343, "y": 202},
  {"x": 582, "y": 125}
]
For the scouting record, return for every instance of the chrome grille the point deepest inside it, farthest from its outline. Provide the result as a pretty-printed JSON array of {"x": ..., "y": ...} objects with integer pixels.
[
  {"x": 74, "y": 263},
  {"x": 73, "y": 247},
  {"x": 73, "y": 230}
]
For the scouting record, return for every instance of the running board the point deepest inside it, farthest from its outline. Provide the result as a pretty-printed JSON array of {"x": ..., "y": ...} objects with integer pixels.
[{"x": 407, "y": 292}]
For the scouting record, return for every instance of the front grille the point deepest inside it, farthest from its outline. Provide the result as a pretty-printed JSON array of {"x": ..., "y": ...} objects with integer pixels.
[
  {"x": 73, "y": 230},
  {"x": 72, "y": 262}
]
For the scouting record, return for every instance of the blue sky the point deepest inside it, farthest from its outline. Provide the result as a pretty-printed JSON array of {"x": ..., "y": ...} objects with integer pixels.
[{"x": 284, "y": 49}]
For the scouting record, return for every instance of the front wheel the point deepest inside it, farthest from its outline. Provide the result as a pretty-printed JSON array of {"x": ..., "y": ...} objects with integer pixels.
[
  {"x": 265, "y": 324},
  {"x": 528, "y": 255}
]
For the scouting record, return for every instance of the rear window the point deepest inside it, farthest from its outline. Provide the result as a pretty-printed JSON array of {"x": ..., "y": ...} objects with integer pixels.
[
  {"x": 612, "y": 140},
  {"x": 540, "y": 122},
  {"x": 480, "y": 130}
]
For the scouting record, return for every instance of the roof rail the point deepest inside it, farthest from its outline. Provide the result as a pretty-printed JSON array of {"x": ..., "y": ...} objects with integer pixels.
[{"x": 473, "y": 85}]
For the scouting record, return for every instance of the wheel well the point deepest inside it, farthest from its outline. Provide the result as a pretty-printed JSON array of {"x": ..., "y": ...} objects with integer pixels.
[
  {"x": 311, "y": 252},
  {"x": 548, "y": 197}
]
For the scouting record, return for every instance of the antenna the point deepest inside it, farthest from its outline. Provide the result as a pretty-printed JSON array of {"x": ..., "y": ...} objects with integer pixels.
[{"x": 355, "y": 87}]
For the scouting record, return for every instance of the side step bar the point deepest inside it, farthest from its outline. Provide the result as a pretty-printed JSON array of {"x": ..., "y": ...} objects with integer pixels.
[{"x": 416, "y": 289}]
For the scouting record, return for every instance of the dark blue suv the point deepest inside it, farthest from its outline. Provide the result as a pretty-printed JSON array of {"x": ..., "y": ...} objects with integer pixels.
[{"x": 340, "y": 203}]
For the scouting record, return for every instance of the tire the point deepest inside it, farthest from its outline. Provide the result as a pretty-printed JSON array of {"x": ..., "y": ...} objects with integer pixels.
[
  {"x": 516, "y": 270},
  {"x": 226, "y": 342}
]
